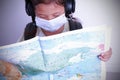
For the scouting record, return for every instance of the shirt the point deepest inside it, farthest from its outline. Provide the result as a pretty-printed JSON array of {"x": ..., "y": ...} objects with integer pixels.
[{"x": 41, "y": 34}]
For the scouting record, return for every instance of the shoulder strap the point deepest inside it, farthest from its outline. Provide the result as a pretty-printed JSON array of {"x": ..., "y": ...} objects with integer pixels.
[
  {"x": 30, "y": 31},
  {"x": 74, "y": 24}
]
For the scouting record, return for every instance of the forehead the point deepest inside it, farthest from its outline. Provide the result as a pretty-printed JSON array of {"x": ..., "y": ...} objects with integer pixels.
[{"x": 48, "y": 8}]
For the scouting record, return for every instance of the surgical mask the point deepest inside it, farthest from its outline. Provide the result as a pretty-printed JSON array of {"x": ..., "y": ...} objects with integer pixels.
[{"x": 51, "y": 25}]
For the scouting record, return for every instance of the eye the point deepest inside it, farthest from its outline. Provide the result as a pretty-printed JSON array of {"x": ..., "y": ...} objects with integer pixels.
[
  {"x": 42, "y": 16},
  {"x": 56, "y": 15}
]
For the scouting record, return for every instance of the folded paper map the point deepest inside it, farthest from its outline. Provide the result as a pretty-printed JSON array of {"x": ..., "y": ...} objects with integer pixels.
[{"x": 70, "y": 55}]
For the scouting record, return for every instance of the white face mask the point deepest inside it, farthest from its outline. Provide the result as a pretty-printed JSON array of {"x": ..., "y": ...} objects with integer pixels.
[{"x": 51, "y": 25}]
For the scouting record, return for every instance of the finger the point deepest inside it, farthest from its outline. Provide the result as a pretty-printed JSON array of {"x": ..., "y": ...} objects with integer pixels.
[{"x": 103, "y": 58}]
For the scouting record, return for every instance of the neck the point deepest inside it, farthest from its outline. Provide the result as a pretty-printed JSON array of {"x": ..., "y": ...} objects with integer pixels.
[{"x": 48, "y": 33}]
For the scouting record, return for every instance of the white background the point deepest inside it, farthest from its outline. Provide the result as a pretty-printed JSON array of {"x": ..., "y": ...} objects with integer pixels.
[{"x": 13, "y": 20}]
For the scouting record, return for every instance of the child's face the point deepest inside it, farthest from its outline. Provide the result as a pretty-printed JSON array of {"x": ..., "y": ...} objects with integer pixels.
[{"x": 49, "y": 11}]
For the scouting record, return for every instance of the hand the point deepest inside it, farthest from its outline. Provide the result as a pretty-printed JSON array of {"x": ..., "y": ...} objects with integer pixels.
[{"x": 105, "y": 56}]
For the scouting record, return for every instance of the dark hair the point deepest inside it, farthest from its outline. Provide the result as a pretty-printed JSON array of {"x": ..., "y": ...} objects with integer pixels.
[
  {"x": 59, "y": 2},
  {"x": 31, "y": 28}
]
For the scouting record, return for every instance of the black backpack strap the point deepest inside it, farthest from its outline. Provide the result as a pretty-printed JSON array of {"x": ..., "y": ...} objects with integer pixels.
[
  {"x": 74, "y": 24},
  {"x": 30, "y": 31}
]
